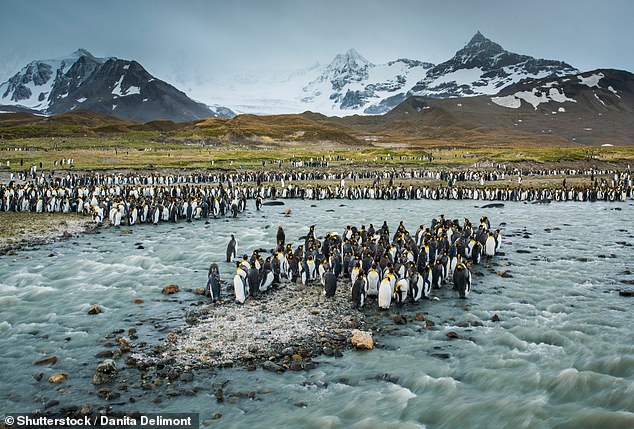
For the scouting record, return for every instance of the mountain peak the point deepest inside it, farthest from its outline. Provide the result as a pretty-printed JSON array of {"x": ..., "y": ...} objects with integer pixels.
[
  {"x": 81, "y": 52},
  {"x": 351, "y": 60},
  {"x": 480, "y": 45},
  {"x": 478, "y": 38}
]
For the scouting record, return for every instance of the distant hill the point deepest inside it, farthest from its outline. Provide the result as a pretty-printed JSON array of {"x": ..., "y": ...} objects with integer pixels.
[{"x": 111, "y": 86}]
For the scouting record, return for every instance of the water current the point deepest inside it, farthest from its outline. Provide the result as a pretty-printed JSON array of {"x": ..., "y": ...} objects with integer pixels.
[{"x": 562, "y": 354}]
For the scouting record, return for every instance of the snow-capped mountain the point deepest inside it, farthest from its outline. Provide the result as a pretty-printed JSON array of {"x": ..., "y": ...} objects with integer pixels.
[
  {"x": 351, "y": 84},
  {"x": 112, "y": 86},
  {"x": 483, "y": 67}
]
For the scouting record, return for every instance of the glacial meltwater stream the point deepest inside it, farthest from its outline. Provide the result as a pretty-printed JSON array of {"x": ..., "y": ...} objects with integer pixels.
[{"x": 562, "y": 354}]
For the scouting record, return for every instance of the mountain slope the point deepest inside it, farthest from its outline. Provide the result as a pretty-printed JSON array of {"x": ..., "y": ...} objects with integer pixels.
[
  {"x": 106, "y": 85},
  {"x": 352, "y": 84},
  {"x": 591, "y": 108},
  {"x": 483, "y": 67}
]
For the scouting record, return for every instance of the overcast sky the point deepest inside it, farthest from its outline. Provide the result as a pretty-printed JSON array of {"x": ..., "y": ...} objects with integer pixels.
[{"x": 189, "y": 39}]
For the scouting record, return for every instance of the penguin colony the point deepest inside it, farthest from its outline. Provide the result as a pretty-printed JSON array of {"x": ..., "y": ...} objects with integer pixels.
[
  {"x": 125, "y": 204},
  {"x": 128, "y": 199},
  {"x": 380, "y": 266}
]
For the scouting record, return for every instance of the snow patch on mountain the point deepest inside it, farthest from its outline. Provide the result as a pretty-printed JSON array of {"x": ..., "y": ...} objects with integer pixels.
[
  {"x": 542, "y": 94},
  {"x": 592, "y": 80}
]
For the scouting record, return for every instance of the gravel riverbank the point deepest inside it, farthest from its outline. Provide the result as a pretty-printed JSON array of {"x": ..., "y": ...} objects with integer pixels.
[
  {"x": 282, "y": 329},
  {"x": 23, "y": 229}
]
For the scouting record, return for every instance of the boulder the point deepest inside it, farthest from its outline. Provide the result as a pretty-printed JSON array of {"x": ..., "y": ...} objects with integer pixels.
[
  {"x": 57, "y": 378},
  {"x": 272, "y": 366},
  {"x": 170, "y": 289},
  {"x": 108, "y": 366},
  {"x": 362, "y": 339},
  {"x": 47, "y": 361},
  {"x": 95, "y": 309}
]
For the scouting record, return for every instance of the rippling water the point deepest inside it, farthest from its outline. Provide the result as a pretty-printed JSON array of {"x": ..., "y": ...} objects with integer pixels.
[{"x": 562, "y": 354}]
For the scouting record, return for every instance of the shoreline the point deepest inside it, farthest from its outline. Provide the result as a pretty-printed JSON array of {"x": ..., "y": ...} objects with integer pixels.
[
  {"x": 287, "y": 326},
  {"x": 20, "y": 230}
]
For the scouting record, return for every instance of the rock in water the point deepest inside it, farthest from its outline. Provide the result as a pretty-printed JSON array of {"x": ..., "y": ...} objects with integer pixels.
[
  {"x": 50, "y": 360},
  {"x": 57, "y": 378},
  {"x": 362, "y": 339},
  {"x": 108, "y": 366},
  {"x": 95, "y": 309},
  {"x": 170, "y": 289},
  {"x": 452, "y": 334},
  {"x": 272, "y": 366}
]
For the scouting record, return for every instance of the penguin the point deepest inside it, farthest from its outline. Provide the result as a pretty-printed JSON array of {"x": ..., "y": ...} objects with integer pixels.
[
  {"x": 231, "y": 249},
  {"x": 213, "y": 283},
  {"x": 311, "y": 273},
  {"x": 330, "y": 284},
  {"x": 323, "y": 268},
  {"x": 385, "y": 294},
  {"x": 416, "y": 286},
  {"x": 401, "y": 291},
  {"x": 358, "y": 292},
  {"x": 437, "y": 274},
  {"x": 302, "y": 274},
  {"x": 239, "y": 284},
  {"x": 253, "y": 280},
  {"x": 335, "y": 263},
  {"x": 489, "y": 246},
  {"x": 476, "y": 253},
  {"x": 281, "y": 236},
  {"x": 266, "y": 280},
  {"x": 355, "y": 273},
  {"x": 427, "y": 281},
  {"x": 373, "y": 281},
  {"x": 462, "y": 280},
  {"x": 498, "y": 240}
]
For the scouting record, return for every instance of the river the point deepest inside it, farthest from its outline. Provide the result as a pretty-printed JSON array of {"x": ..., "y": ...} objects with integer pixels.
[{"x": 562, "y": 354}]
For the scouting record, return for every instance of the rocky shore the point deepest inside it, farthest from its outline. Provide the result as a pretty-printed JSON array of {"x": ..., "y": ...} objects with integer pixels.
[
  {"x": 283, "y": 329},
  {"x": 20, "y": 230}
]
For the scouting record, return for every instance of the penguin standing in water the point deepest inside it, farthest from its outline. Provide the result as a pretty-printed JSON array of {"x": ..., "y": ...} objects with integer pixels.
[
  {"x": 437, "y": 273},
  {"x": 462, "y": 280},
  {"x": 231, "y": 248},
  {"x": 213, "y": 283},
  {"x": 385, "y": 294},
  {"x": 281, "y": 237},
  {"x": 416, "y": 285},
  {"x": 401, "y": 291},
  {"x": 427, "y": 281},
  {"x": 490, "y": 245}
]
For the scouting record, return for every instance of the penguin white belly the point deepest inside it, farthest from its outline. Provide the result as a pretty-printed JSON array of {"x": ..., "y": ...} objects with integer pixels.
[
  {"x": 267, "y": 282},
  {"x": 489, "y": 246},
  {"x": 385, "y": 294},
  {"x": 373, "y": 283},
  {"x": 239, "y": 289}
]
